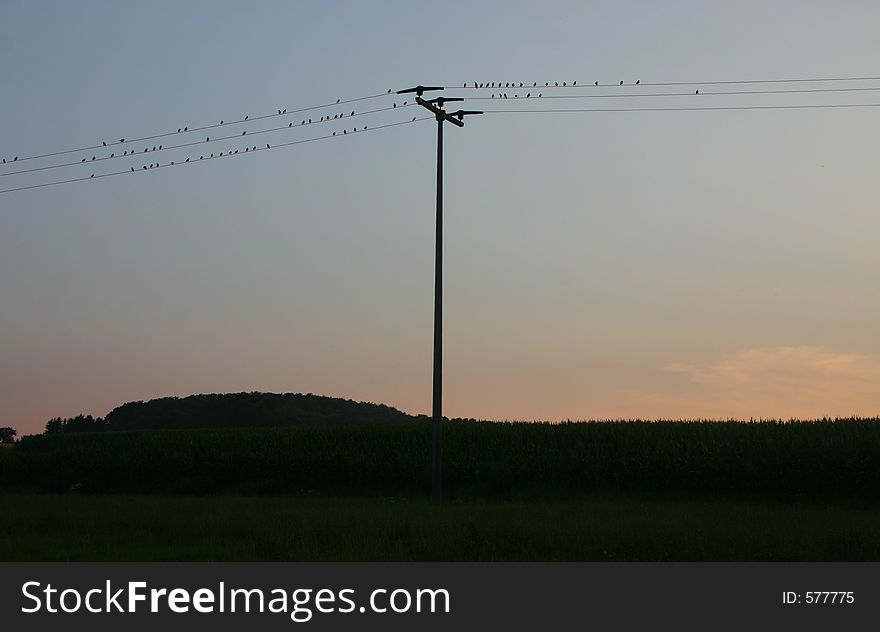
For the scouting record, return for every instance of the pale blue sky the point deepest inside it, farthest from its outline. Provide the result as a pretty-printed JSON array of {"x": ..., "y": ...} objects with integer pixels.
[{"x": 598, "y": 265}]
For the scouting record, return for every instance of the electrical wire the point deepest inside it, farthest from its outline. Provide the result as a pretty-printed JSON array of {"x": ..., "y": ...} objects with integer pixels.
[
  {"x": 198, "y": 128},
  {"x": 630, "y": 95},
  {"x": 575, "y": 84},
  {"x": 202, "y": 142},
  {"x": 691, "y": 109},
  {"x": 212, "y": 157}
]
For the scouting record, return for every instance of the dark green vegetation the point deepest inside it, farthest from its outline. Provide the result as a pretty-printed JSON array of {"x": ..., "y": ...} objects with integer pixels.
[
  {"x": 212, "y": 528},
  {"x": 815, "y": 460},
  {"x": 235, "y": 410}
]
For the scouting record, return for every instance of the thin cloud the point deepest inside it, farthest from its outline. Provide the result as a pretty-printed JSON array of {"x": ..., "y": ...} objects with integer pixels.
[{"x": 804, "y": 381}]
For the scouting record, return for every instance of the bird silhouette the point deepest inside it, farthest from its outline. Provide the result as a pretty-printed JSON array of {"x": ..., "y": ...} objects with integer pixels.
[
  {"x": 546, "y": 84},
  {"x": 574, "y": 83},
  {"x": 201, "y": 157},
  {"x": 394, "y": 105},
  {"x": 172, "y": 162},
  {"x": 493, "y": 96},
  {"x": 596, "y": 84},
  {"x": 244, "y": 132},
  {"x": 236, "y": 151},
  {"x": 284, "y": 111},
  {"x": 187, "y": 159},
  {"x": 520, "y": 84},
  {"x": 221, "y": 153},
  {"x": 160, "y": 147},
  {"x": 178, "y": 130},
  {"x": 310, "y": 120},
  {"x": 464, "y": 85},
  {"x": 15, "y": 159},
  {"x": 111, "y": 155},
  {"x": 221, "y": 122},
  {"x": 334, "y": 133},
  {"x": 535, "y": 85},
  {"x": 344, "y": 132},
  {"x": 92, "y": 176},
  {"x": 352, "y": 113},
  {"x": 338, "y": 100},
  {"x": 103, "y": 143},
  {"x": 389, "y": 91},
  {"x": 132, "y": 169},
  {"x": 621, "y": 83},
  {"x": 563, "y": 84},
  {"x": 540, "y": 95},
  {"x": 279, "y": 111},
  {"x": 557, "y": 84},
  {"x": 4, "y": 160},
  {"x": 697, "y": 92},
  {"x": 184, "y": 129},
  {"x": 207, "y": 138},
  {"x": 414, "y": 118},
  {"x": 121, "y": 140},
  {"x": 637, "y": 81},
  {"x": 267, "y": 146},
  {"x": 145, "y": 166},
  {"x": 290, "y": 125},
  {"x": 212, "y": 155},
  {"x": 154, "y": 148},
  {"x": 528, "y": 95},
  {"x": 93, "y": 157}
]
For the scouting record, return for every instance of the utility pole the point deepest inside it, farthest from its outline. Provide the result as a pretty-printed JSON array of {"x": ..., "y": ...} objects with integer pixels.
[{"x": 435, "y": 106}]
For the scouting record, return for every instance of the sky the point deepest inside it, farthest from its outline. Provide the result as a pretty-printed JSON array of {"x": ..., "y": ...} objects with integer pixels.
[{"x": 686, "y": 264}]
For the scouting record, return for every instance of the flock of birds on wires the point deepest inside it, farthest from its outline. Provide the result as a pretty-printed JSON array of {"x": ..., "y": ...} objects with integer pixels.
[{"x": 146, "y": 152}]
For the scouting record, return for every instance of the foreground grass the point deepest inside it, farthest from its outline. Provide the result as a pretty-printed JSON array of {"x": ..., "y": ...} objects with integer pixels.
[{"x": 41, "y": 527}]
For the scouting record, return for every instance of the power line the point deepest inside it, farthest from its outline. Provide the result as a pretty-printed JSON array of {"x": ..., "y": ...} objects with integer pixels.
[
  {"x": 134, "y": 153},
  {"x": 213, "y": 157},
  {"x": 584, "y": 84},
  {"x": 201, "y": 127},
  {"x": 630, "y": 95},
  {"x": 691, "y": 109}
]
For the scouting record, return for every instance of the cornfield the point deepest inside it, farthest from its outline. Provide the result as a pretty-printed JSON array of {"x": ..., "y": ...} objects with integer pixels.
[{"x": 838, "y": 459}]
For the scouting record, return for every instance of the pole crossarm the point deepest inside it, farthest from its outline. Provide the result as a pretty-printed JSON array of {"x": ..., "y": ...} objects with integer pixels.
[{"x": 436, "y": 107}]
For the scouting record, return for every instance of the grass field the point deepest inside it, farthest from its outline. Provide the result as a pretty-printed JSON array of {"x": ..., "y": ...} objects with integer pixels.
[{"x": 71, "y": 527}]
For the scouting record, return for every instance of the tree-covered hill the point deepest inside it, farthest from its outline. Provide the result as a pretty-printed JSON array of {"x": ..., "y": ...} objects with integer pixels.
[{"x": 237, "y": 410}]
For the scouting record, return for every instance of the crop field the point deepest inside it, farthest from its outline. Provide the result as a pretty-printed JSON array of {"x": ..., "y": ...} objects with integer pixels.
[
  {"x": 634, "y": 491},
  {"x": 778, "y": 461}
]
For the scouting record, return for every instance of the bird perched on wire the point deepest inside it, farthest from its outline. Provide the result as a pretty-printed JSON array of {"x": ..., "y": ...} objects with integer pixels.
[
  {"x": 621, "y": 83},
  {"x": 574, "y": 83},
  {"x": 187, "y": 160},
  {"x": 596, "y": 84},
  {"x": 221, "y": 122},
  {"x": 290, "y": 125},
  {"x": 103, "y": 143},
  {"x": 414, "y": 118},
  {"x": 121, "y": 140},
  {"x": 92, "y": 176},
  {"x": 178, "y": 130},
  {"x": 389, "y": 91},
  {"x": 244, "y": 132},
  {"x": 132, "y": 169},
  {"x": 338, "y": 100},
  {"x": 697, "y": 92},
  {"x": 4, "y": 160},
  {"x": 267, "y": 146},
  {"x": 637, "y": 81}
]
